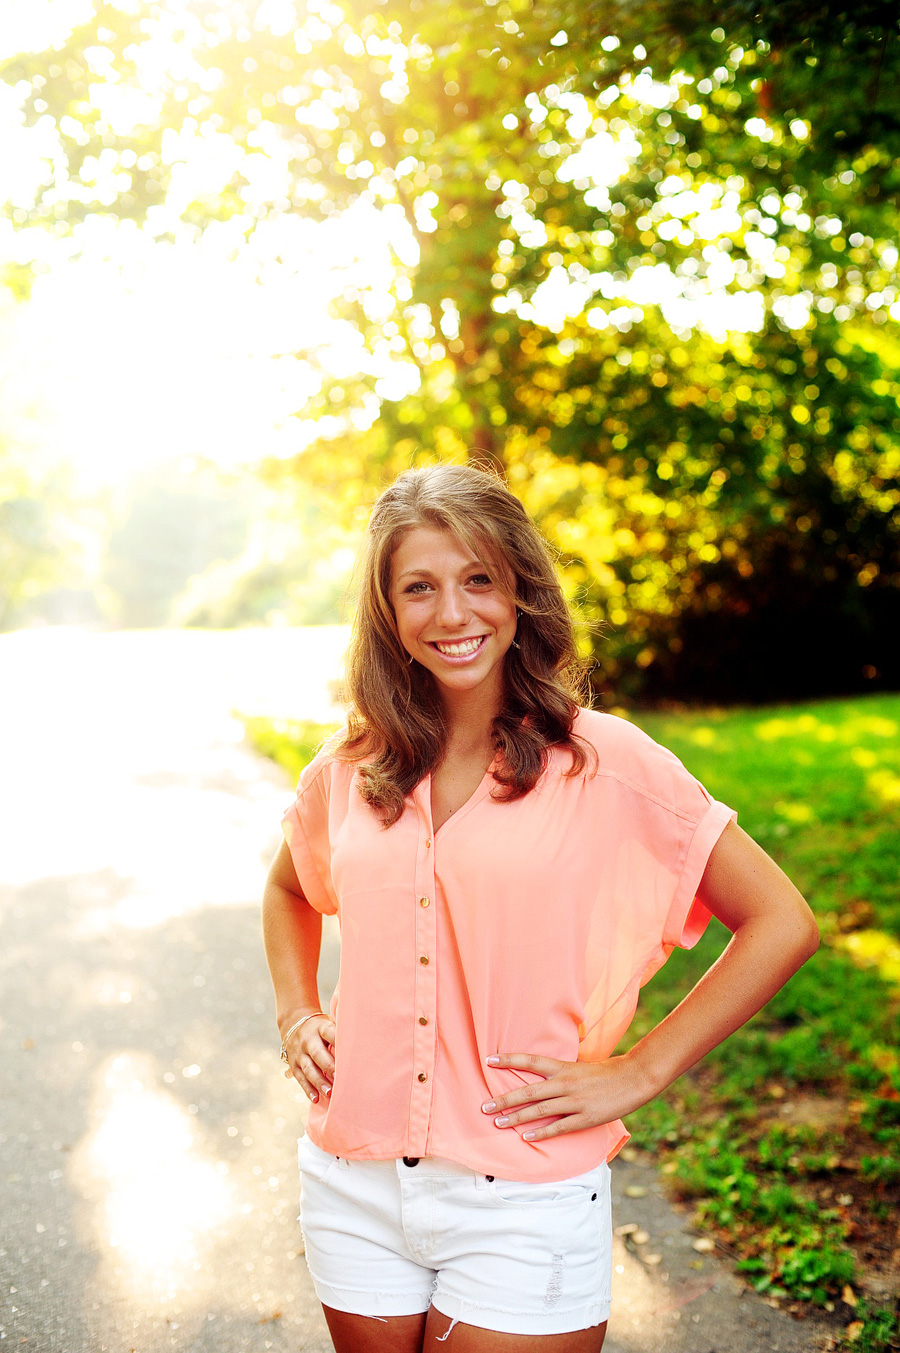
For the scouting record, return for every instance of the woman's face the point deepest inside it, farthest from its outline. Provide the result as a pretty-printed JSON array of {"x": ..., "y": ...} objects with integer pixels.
[{"x": 452, "y": 614}]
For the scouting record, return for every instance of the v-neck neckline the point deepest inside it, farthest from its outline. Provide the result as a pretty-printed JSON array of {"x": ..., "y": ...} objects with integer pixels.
[{"x": 476, "y": 796}]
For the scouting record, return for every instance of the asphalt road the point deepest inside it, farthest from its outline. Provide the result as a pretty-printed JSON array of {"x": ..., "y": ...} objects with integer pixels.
[{"x": 147, "y": 1134}]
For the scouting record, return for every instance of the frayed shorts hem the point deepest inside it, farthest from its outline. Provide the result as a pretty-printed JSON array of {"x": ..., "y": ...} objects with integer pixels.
[
  {"x": 517, "y": 1322},
  {"x": 376, "y": 1304},
  {"x": 381, "y": 1306}
]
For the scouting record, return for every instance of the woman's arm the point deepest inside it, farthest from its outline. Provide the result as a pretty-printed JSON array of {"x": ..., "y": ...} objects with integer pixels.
[
  {"x": 292, "y": 931},
  {"x": 773, "y": 934}
]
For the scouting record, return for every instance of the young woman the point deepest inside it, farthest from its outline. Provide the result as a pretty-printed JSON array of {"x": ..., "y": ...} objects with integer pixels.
[{"x": 508, "y": 869}]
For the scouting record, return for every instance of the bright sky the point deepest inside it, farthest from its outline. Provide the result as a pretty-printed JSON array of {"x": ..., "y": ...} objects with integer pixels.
[{"x": 139, "y": 352}]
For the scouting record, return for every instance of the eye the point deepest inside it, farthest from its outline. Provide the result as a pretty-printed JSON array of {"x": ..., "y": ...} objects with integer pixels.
[
  {"x": 480, "y": 579},
  {"x": 415, "y": 589}
]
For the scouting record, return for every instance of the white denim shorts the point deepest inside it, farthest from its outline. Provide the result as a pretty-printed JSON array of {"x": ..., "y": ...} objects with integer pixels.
[{"x": 384, "y": 1238}]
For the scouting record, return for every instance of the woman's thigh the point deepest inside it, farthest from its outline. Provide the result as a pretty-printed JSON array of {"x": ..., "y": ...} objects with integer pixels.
[
  {"x": 464, "y": 1338},
  {"x": 370, "y": 1334},
  {"x": 429, "y": 1334}
]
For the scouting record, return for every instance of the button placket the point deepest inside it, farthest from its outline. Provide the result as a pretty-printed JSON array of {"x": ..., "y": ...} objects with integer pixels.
[{"x": 424, "y": 959}]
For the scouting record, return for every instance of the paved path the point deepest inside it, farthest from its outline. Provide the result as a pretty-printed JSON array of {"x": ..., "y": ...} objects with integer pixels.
[{"x": 147, "y": 1136}]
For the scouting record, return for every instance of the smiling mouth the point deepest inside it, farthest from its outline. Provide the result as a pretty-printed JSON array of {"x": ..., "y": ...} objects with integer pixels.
[{"x": 460, "y": 648}]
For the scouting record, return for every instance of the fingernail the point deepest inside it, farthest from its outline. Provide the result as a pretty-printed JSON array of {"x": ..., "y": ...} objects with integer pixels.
[
  {"x": 492, "y": 1061},
  {"x": 328, "y": 1089},
  {"x": 501, "y": 1121},
  {"x": 528, "y": 1136},
  {"x": 488, "y": 1107},
  {"x": 313, "y": 1096}
]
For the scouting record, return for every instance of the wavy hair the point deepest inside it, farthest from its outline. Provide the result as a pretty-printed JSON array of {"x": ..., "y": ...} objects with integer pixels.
[{"x": 396, "y": 722}]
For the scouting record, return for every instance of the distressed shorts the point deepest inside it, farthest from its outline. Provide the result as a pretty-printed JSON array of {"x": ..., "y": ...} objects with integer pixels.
[{"x": 384, "y": 1238}]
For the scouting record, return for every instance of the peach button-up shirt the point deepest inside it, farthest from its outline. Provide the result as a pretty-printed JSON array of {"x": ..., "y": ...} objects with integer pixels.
[{"x": 526, "y": 926}]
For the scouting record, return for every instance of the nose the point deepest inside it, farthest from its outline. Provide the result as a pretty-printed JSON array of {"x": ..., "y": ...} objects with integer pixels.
[{"x": 451, "y": 611}]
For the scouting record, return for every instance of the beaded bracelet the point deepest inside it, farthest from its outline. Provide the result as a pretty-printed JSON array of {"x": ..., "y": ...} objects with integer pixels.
[{"x": 293, "y": 1029}]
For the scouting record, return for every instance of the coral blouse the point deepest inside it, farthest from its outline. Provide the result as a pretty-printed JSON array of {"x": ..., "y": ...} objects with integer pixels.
[{"x": 520, "y": 927}]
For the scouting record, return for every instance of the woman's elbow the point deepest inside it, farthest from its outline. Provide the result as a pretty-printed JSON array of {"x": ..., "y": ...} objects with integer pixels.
[{"x": 808, "y": 937}]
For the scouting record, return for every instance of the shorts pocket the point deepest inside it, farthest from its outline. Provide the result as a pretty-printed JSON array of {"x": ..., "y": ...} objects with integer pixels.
[
  {"x": 583, "y": 1188},
  {"x": 313, "y": 1161}
]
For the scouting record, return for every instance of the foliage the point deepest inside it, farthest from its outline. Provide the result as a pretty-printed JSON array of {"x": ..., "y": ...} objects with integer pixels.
[
  {"x": 876, "y": 1330},
  {"x": 292, "y": 743},
  {"x": 787, "y": 1136},
  {"x": 642, "y": 264}
]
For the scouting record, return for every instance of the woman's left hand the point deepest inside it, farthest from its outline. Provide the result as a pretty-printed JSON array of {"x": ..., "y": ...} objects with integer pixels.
[{"x": 578, "y": 1094}]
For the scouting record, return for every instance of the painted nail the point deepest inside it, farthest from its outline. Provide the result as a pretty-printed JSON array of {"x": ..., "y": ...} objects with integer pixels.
[
  {"x": 313, "y": 1096},
  {"x": 488, "y": 1107},
  {"x": 492, "y": 1061},
  {"x": 328, "y": 1089},
  {"x": 528, "y": 1136},
  {"x": 501, "y": 1121}
]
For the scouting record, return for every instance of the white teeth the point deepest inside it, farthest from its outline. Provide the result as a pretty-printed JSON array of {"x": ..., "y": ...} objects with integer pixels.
[{"x": 458, "y": 650}]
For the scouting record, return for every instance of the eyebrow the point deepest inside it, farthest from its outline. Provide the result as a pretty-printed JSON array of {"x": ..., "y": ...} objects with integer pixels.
[{"x": 427, "y": 573}]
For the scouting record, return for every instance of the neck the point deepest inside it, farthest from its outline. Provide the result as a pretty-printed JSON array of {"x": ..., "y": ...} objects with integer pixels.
[{"x": 469, "y": 717}]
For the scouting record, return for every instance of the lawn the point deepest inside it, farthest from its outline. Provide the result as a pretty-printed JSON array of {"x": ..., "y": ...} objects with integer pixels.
[{"x": 787, "y": 1138}]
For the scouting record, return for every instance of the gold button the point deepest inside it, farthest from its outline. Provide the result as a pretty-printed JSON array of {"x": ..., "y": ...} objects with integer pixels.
[
  {"x": 424, "y": 902},
  {"x": 422, "y": 1076},
  {"x": 424, "y": 958},
  {"x": 428, "y": 844},
  {"x": 422, "y": 1019}
]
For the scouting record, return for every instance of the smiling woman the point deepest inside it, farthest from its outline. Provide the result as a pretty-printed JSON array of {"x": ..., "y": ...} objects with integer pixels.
[{"x": 508, "y": 869}]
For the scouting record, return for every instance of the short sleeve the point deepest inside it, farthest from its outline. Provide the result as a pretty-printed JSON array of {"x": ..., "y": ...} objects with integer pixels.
[
  {"x": 659, "y": 828},
  {"x": 306, "y": 828},
  {"x": 688, "y": 917},
  {"x": 680, "y": 823}
]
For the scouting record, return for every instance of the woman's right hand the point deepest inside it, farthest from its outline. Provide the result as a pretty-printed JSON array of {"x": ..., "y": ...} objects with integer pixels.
[{"x": 310, "y": 1054}]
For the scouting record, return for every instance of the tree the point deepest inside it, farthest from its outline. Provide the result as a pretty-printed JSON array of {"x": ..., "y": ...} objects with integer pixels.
[{"x": 562, "y": 182}]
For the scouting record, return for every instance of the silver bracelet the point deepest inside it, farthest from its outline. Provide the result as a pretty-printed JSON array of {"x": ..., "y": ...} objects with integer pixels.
[{"x": 293, "y": 1029}]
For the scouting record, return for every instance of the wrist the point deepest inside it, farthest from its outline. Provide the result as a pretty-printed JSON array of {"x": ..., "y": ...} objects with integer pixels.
[
  {"x": 296, "y": 1027},
  {"x": 296, "y": 1013},
  {"x": 647, "y": 1078}
]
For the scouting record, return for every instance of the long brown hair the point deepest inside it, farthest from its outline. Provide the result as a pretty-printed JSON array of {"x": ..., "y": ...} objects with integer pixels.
[{"x": 396, "y": 722}]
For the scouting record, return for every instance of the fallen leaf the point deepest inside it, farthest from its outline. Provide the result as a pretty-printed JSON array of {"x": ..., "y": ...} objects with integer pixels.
[
  {"x": 640, "y": 1237},
  {"x": 844, "y": 1199},
  {"x": 652, "y": 1258},
  {"x": 705, "y": 1245},
  {"x": 854, "y": 1330},
  {"x": 848, "y": 1296},
  {"x": 635, "y": 1191},
  {"x": 696, "y": 1264},
  {"x": 628, "y": 1229}
]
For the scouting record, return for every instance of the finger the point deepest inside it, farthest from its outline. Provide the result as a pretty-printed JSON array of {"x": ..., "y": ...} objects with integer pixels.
[
  {"x": 313, "y": 1074},
  {"x": 527, "y": 1061},
  {"x": 320, "y": 1052},
  {"x": 527, "y": 1094},
  {"x": 573, "y": 1122},
  {"x": 295, "y": 1071},
  {"x": 548, "y": 1108}
]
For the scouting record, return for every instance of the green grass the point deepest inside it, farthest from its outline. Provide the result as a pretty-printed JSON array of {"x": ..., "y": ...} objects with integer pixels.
[{"x": 799, "y": 1111}]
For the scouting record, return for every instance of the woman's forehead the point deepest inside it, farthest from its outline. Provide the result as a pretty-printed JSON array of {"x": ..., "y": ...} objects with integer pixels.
[{"x": 426, "y": 545}]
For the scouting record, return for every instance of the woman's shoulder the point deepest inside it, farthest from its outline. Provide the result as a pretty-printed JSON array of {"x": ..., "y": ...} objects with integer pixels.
[
  {"x": 609, "y": 734},
  {"x": 327, "y": 767},
  {"x": 629, "y": 755}
]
